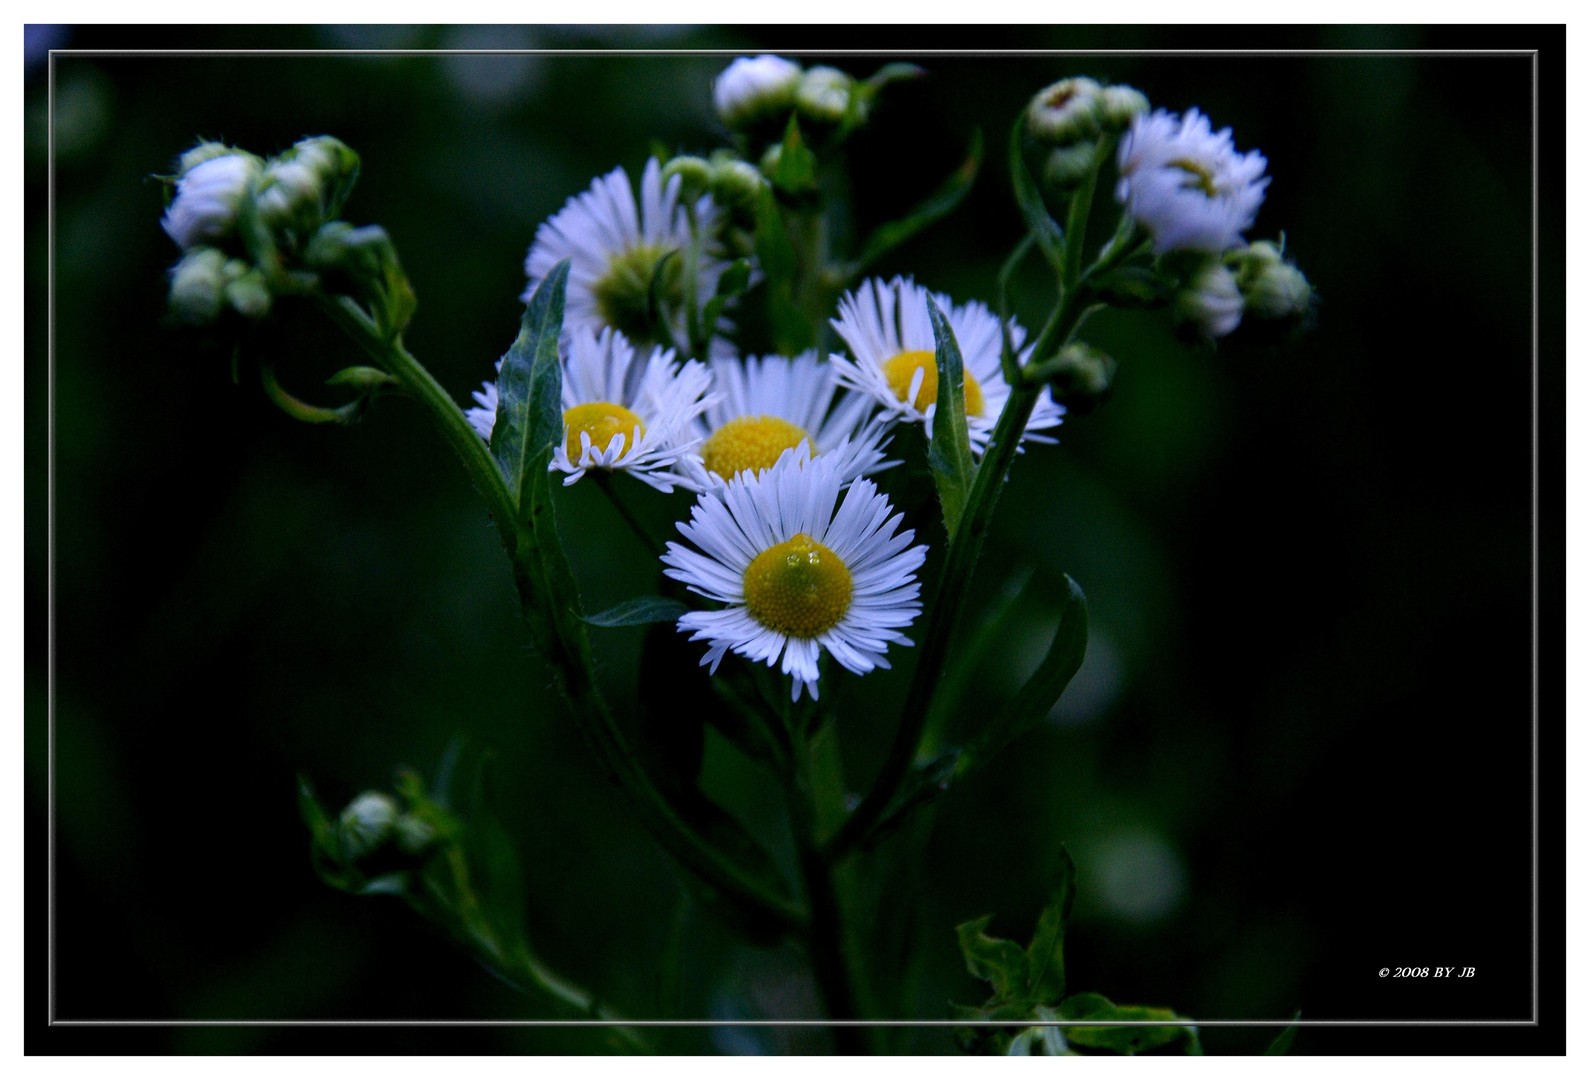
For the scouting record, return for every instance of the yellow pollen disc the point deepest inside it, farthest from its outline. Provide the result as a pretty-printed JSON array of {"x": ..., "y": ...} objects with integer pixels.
[
  {"x": 601, "y": 420},
  {"x": 750, "y": 442},
  {"x": 1197, "y": 176},
  {"x": 903, "y": 368},
  {"x": 799, "y": 588}
]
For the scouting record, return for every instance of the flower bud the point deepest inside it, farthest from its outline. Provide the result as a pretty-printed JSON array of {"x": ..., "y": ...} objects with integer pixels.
[
  {"x": 1120, "y": 105},
  {"x": 1065, "y": 113},
  {"x": 694, "y": 174},
  {"x": 198, "y": 285},
  {"x": 1083, "y": 378},
  {"x": 736, "y": 183},
  {"x": 1210, "y": 300},
  {"x": 414, "y": 834},
  {"x": 249, "y": 295},
  {"x": 1272, "y": 287},
  {"x": 366, "y": 824},
  {"x": 754, "y": 87},
  {"x": 205, "y": 151},
  {"x": 1067, "y": 166},
  {"x": 824, "y": 95},
  {"x": 209, "y": 195}
]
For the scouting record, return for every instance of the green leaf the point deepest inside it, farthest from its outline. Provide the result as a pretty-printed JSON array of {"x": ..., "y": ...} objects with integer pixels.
[
  {"x": 892, "y": 73},
  {"x": 776, "y": 253},
  {"x": 950, "y": 450},
  {"x": 1120, "y": 1040},
  {"x": 530, "y": 392},
  {"x": 796, "y": 172},
  {"x": 1043, "y": 227},
  {"x": 924, "y": 784},
  {"x": 945, "y": 198},
  {"x": 494, "y": 871},
  {"x": 1046, "y": 962},
  {"x": 993, "y": 960},
  {"x": 1283, "y": 1042},
  {"x": 735, "y": 279},
  {"x": 1033, "y": 702},
  {"x": 638, "y": 612}
]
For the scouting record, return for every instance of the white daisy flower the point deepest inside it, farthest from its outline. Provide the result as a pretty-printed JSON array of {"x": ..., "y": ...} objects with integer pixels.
[
  {"x": 771, "y": 404},
  {"x": 208, "y": 198},
  {"x": 614, "y": 248},
  {"x": 1186, "y": 184},
  {"x": 799, "y": 576},
  {"x": 887, "y": 327},
  {"x": 754, "y": 86},
  {"x": 618, "y": 414}
]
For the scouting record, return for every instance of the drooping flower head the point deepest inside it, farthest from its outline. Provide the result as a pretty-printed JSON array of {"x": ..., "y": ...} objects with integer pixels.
[
  {"x": 802, "y": 568},
  {"x": 767, "y": 405},
  {"x": 1186, "y": 184},
  {"x": 616, "y": 247},
  {"x": 615, "y": 418},
  {"x": 886, "y": 325}
]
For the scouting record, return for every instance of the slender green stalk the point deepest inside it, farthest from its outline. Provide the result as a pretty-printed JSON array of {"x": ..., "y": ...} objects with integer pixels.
[
  {"x": 648, "y": 539},
  {"x": 953, "y": 583},
  {"x": 570, "y": 657}
]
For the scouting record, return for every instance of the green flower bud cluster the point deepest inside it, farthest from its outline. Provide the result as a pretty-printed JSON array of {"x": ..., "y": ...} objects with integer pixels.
[
  {"x": 1081, "y": 377},
  {"x": 253, "y": 230},
  {"x": 1255, "y": 280},
  {"x": 1065, "y": 121}
]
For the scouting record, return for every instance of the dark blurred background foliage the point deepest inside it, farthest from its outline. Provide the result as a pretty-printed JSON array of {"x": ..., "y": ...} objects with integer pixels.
[{"x": 1298, "y": 750}]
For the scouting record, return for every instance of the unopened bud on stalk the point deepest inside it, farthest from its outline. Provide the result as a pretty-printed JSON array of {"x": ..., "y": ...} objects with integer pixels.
[
  {"x": 305, "y": 185},
  {"x": 1082, "y": 378},
  {"x": 1065, "y": 113},
  {"x": 755, "y": 87},
  {"x": 824, "y": 95},
  {"x": 211, "y": 188},
  {"x": 1210, "y": 300},
  {"x": 248, "y": 294},
  {"x": 198, "y": 285},
  {"x": 414, "y": 834},
  {"x": 735, "y": 183},
  {"x": 1272, "y": 287},
  {"x": 1120, "y": 105},
  {"x": 1067, "y": 166},
  {"x": 366, "y": 824},
  {"x": 694, "y": 175}
]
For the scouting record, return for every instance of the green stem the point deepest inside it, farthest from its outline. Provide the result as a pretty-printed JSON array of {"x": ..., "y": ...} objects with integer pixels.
[
  {"x": 466, "y": 442},
  {"x": 825, "y": 936},
  {"x": 568, "y": 646},
  {"x": 954, "y": 583},
  {"x": 648, "y": 540}
]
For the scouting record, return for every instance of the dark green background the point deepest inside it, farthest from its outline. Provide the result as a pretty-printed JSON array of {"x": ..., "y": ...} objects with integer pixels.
[{"x": 1299, "y": 750}]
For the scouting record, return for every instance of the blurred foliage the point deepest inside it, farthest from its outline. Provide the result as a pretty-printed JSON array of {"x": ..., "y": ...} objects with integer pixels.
[{"x": 1307, "y": 563}]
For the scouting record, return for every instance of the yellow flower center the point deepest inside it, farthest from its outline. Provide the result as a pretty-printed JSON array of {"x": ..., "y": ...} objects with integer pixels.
[
  {"x": 750, "y": 442},
  {"x": 601, "y": 420},
  {"x": 799, "y": 588},
  {"x": 901, "y": 369},
  {"x": 624, "y": 293},
  {"x": 1198, "y": 177}
]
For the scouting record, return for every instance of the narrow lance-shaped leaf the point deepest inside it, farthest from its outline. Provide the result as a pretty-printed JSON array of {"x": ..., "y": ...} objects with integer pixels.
[
  {"x": 945, "y": 198},
  {"x": 1030, "y": 200},
  {"x": 950, "y": 450},
  {"x": 1046, "y": 965},
  {"x": 776, "y": 254},
  {"x": 529, "y": 390},
  {"x": 1283, "y": 1041},
  {"x": 640, "y": 611},
  {"x": 1043, "y": 689},
  {"x": 1121, "y": 1040}
]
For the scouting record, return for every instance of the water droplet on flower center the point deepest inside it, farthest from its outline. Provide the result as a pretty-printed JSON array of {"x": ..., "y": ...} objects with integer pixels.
[
  {"x": 750, "y": 442},
  {"x": 601, "y": 420},
  {"x": 901, "y": 369},
  {"x": 800, "y": 588}
]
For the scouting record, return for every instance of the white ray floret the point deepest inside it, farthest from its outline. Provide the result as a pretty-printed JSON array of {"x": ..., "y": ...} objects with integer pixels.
[
  {"x": 1186, "y": 184},
  {"x": 619, "y": 413},
  {"x": 893, "y": 357},
  {"x": 766, "y": 405},
  {"x": 614, "y": 246},
  {"x": 803, "y": 567}
]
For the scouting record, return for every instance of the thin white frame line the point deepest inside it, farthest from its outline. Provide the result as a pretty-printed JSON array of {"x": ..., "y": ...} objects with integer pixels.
[
  {"x": 1535, "y": 336},
  {"x": 1178, "y": 1022}
]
